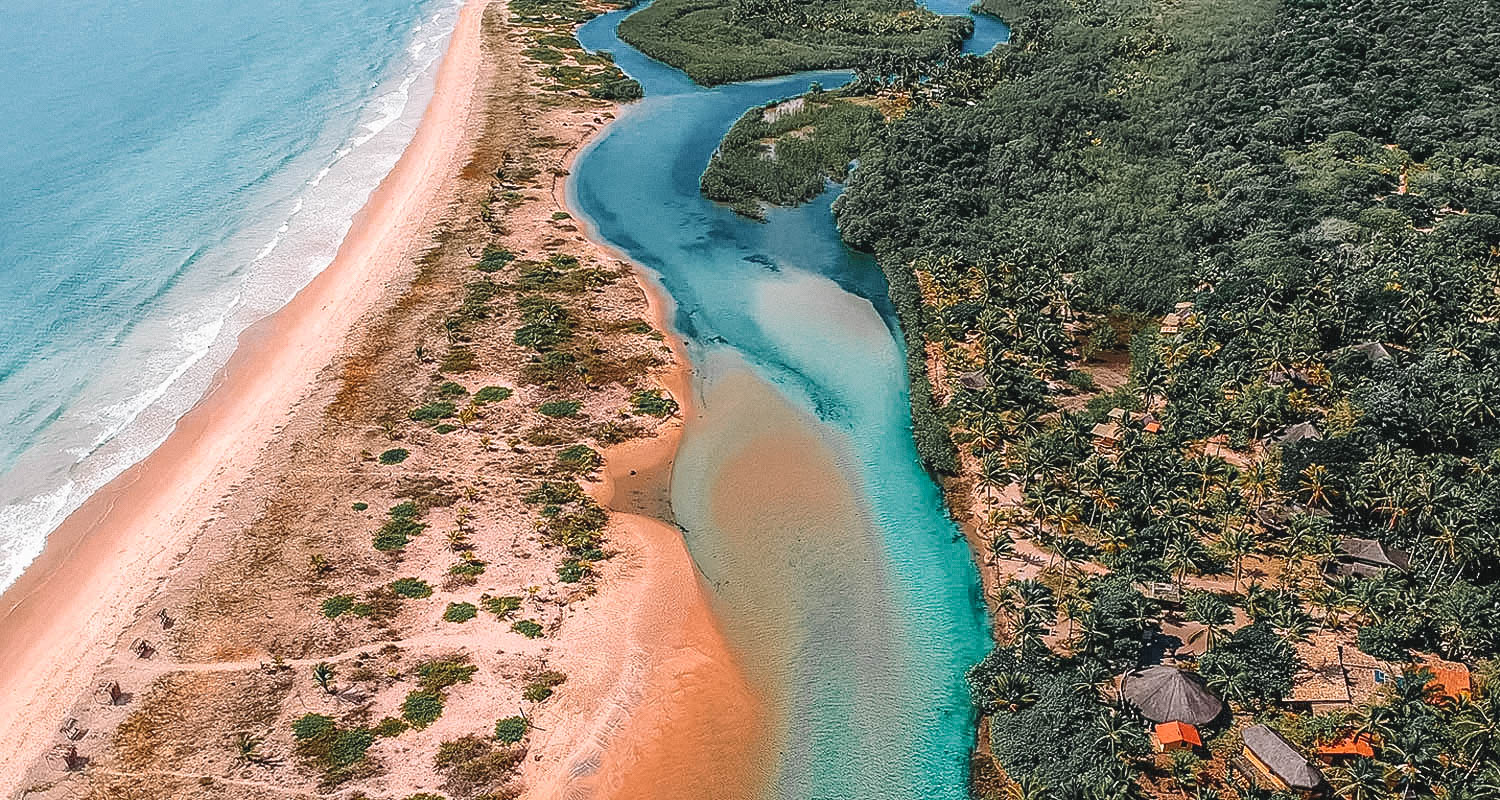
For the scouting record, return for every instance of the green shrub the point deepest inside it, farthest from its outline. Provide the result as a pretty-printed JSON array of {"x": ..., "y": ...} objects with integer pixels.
[
  {"x": 411, "y": 587},
  {"x": 579, "y": 458},
  {"x": 572, "y": 570},
  {"x": 653, "y": 403},
  {"x": 422, "y": 708},
  {"x": 560, "y": 408},
  {"x": 350, "y": 746},
  {"x": 433, "y": 411},
  {"x": 337, "y": 606},
  {"x": 312, "y": 726},
  {"x": 451, "y": 389},
  {"x": 395, "y": 455},
  {"x": 460, "y": 612},
  {"x": 469, "y": 567},
  {"x": 459, "y": 359},
  {"x": 494, "y": 259},
  {"x": 445, "y": 429},
  {"x": 527, "y": 628},
  {"x": 492, "y": 394},
  {"x": 390, "y": 726},
  {"x": 511, "y": 729},
  {"x": 397, "y": 531},
  {"x": 536, "y": 693},
  {"x": 437, "y": 675},
  {"x": 361, "y": 506},
  {"x": 501, "y": 607}
]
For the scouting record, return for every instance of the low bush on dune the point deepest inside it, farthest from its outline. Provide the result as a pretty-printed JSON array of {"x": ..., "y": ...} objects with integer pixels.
[
  {"x": 528, "y": 628},
  {"x": 432, "y": 412},
  {"x": 560, "y": 408},
  {"x": 492, "y": 394},
  {"x": 411, "y": 587},
  {"x": 501, "y": 607},
  {"x": 579, "y": 458},
  {"x": 395, "y": 455},
  {"x": 653, "y": 403},
  {"x": 460, "y": 612},
  {"x": 421, "y": 708},
  {"x": 399, "y": 528},
  {"x": 511, "y": 729},
  {"x": 322, "y": 742}
]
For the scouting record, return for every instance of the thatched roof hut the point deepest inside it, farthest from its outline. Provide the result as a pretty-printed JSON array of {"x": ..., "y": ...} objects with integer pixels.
[{"x": 1168, "y": 694}]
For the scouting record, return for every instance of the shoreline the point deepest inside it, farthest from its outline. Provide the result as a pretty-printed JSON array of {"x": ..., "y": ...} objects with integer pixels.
[
  {"x": 63, "y": 615},
  {"x": 600, "y": 755}
]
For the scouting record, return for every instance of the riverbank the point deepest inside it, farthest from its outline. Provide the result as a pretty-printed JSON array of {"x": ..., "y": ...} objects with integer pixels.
[{"x": 257, "y": 514}]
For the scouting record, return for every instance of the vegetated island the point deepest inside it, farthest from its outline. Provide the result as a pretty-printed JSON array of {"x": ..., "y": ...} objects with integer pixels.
[
  {"x": 1201, "y": 303},
  {"x": 718, "y": 42}
]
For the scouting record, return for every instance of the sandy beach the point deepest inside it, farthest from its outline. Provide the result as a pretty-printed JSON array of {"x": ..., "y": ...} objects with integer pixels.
[{"x": 253, "y": 511}]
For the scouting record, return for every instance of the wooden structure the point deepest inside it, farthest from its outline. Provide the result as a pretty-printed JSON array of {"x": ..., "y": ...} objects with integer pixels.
[
  {"x": 1169, "y": 736},
  {"x": 109, "y": 693},
  {"x": 65, "y": 756},
  {"x": 142, "y": 648},
  {"x": 1271, "y": 762},
  {"x": 1302, "y": 431},
  {"x": 165, "y": 619},
  {"x": 1106, "y": 436},
  {"x": 1334, "y": 677},
  {"x": 1367, "y": 558},
  {"x": 71, "y": 730}
]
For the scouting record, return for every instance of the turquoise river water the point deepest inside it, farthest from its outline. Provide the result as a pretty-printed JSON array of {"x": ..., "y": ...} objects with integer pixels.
[{"x": 848, "y": 591}]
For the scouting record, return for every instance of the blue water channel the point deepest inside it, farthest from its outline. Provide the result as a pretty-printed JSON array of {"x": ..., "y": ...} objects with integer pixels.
[{"x": 858, "y": 629}]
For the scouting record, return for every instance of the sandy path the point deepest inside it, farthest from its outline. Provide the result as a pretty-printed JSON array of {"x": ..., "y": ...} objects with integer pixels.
[{"x": 62, "y": 619}]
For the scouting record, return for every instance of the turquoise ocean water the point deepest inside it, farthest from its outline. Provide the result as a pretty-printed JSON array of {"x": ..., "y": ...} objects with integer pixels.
[
  {"x": 169, "y": 173},
  {"x": 867, "y": 654}
]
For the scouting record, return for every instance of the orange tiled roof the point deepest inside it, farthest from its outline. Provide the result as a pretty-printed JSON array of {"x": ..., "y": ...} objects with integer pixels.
[
  {"x": 1354, "y": 744},
  {"x": 1449, "y": 678},
  {"x": 1178, "y": 732}
]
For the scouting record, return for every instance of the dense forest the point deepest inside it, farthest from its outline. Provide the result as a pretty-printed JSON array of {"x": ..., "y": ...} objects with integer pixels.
[
  {"x": 715, "y": 41},
  {"x": 1312, "y": 188}
]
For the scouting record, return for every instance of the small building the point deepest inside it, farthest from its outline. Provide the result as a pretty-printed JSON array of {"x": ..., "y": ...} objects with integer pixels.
[
  {"x": 1168, "y": 694},
  {"x": 1170, "y": 736},
  {"x": 1171, "y": 324},
  {"x": 1450, "y": 679},
  {"x": 1271, "y": 762},
  {"x": 1373, "y": 352},
  {"x": 1302, "y": 431},
  {"x": 1367, "y": 558},
  {"x": 1161, "y": 592},
  {"x": 1106, "y": 435},
  {"x": 975, "y": 381},
  {"x": 1334, "y": 677},
  {"x": 1351, "y": 746},
  {"x": 1117, "y": 415}
]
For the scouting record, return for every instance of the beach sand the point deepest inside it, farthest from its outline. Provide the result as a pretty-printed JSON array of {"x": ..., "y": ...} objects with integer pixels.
[{"x": 251, "y": 513}]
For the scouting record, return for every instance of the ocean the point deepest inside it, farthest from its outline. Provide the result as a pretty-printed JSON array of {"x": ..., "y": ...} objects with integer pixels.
[{"x": 169, "y": 174}]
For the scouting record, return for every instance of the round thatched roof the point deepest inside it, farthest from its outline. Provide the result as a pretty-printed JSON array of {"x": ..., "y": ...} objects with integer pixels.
[{"x": 1167, "y": 694}]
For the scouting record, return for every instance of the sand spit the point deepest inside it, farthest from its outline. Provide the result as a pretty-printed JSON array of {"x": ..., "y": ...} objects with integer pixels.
[{"x": 252, "y": 527}]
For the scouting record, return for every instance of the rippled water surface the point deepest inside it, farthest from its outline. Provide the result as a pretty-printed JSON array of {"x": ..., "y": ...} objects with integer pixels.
[{"x": 835, "y": 570}]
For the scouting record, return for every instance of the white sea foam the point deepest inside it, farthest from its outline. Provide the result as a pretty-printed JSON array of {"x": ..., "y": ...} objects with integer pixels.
[{"x": 129, "y": 407}]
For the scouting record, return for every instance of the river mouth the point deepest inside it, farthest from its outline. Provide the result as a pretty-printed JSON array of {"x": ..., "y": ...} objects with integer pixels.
[{"x": 836, "y": 575}]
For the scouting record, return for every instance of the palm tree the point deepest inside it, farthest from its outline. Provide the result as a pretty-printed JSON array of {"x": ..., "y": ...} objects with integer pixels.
[
  {"x": 323, "y": 674},
  {"x": 1029, "y": 787},
  {"x": 1210, "y": 610},
  {"x": 1184, "y": 769},
  {"x": 1361, "y": 780},
  {"x": 1238, "y": 542},
  {"x": 1315, "y": 486},
  {"x": 1011, "y": 691}
]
